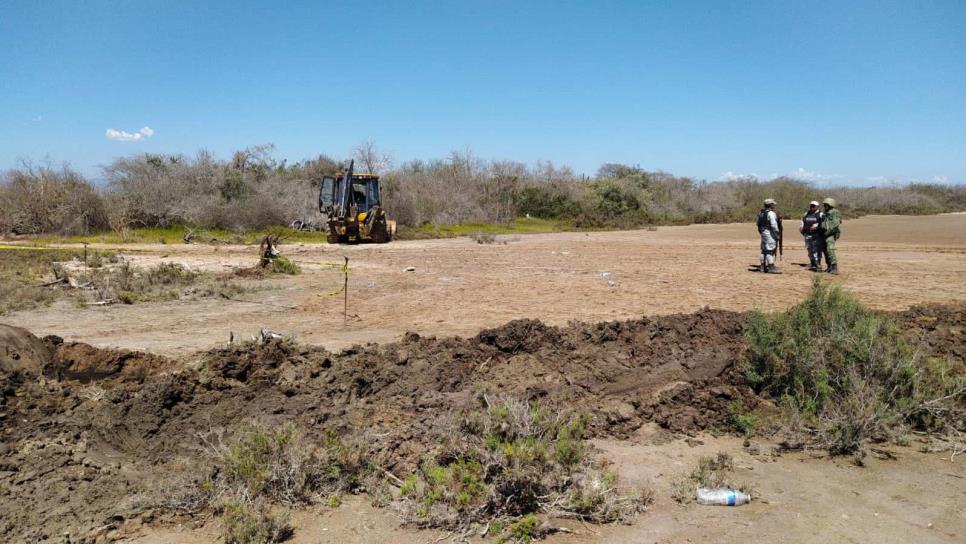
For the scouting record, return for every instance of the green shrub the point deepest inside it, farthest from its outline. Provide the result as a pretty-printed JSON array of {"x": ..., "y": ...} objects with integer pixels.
[
  {"x": 525, "y": 529},
  {"x": 622, "y": 201},
  {"x": 281, "y": 265},
  {"x": 460, "y": 483},
  {"x": 847, "y": 373},
  {"x": 546, "y": 202},
  {"x": 744, "y": 423}
]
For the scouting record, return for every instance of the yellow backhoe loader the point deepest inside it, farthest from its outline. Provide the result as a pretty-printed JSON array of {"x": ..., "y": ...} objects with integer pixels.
[{"x": 353, "y": 206}]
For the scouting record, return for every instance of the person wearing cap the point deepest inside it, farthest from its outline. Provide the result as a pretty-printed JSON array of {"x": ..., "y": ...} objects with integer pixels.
[
  {"x": 831, "y": 230},
  {"x": 810, "y": 227},
  {"x": 769, "y": 227}
]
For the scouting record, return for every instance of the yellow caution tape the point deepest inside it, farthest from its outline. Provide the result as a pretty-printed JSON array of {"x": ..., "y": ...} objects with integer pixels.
[
  {"x": 35, "y": 248},
  {"x": 343, "y": 267},
  {"x": 72, "y": 248}
]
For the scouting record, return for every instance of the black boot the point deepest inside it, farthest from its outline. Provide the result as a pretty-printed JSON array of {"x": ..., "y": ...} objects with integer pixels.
[
  {"x": 833, "y": 268},
  {"x": 772, "y": 269},
  {"x": 813, "y": 266}
]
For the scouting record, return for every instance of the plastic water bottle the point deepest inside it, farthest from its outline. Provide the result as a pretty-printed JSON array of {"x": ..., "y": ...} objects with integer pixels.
[{"x": 722, "y": 497}]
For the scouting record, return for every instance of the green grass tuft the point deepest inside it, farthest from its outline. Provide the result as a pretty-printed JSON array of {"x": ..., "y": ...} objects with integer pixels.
[
  {"x": 281, "y": 265},
  {"x": 744, "y": 423}
]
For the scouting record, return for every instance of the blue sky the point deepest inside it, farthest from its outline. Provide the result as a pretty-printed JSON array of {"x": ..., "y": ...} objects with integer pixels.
[{"x": 838, "y": 92}]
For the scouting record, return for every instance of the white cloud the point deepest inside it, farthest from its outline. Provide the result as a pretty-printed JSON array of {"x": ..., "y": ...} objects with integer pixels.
[
  {"x": 808, "y": 175},
  {"x": 940, "y": 179},
  {"x": 38, "y": 119},
  {"x": 731, "y": 176},
  {"x": 123, "y": 136},
  {"x": 799, "y": 173}
]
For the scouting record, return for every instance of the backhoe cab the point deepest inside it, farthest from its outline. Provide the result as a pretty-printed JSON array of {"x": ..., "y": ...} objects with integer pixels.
[{"x": 354, "y": 209}]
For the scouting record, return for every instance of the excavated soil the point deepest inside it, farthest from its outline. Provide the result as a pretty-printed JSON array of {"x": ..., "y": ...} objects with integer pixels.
[{"x": 91, "y": 436}]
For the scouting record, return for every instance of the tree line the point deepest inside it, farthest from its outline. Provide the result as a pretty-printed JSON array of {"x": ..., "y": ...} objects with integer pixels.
[{"x": 254, "y": 190}]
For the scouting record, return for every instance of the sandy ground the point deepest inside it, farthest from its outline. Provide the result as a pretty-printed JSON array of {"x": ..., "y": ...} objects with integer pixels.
[
  {"x": 459, "y": 286},
  {"x": 801, "y": 498}
]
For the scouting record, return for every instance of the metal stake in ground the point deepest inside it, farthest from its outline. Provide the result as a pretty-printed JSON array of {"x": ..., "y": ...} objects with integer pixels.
[
  {"x": 85, "y": 255},
  {"x": 345, "y": 291}
]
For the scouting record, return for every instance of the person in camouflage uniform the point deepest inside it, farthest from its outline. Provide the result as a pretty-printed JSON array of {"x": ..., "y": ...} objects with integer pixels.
[
  {"x": 810, "y": 227},
  {"x": 831, "y": 230},
  {"x": 769, "y": 226}
]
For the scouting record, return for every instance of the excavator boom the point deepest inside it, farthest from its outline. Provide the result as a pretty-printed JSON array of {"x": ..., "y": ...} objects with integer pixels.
[{"x": 354, "y": 209}]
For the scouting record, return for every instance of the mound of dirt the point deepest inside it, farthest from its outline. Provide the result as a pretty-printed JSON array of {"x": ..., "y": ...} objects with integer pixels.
[
  {"x": 21, "y": 351},
  {"x": 940, "y": 330},
  {"x": 91, "y": 446},
  {"x": 526, "y": 335},
  {"x": 85, "y": 363}
]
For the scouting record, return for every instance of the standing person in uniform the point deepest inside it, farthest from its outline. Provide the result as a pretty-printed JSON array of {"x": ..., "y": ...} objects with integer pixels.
[
  {"x": 810, "y": 229},
  {"x": 769, "y": 227},
  {"x": 831, "y": 230}
]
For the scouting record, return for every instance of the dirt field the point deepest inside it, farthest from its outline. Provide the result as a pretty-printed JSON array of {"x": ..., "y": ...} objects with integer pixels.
[
  {"x": 459, "y": 286},
  {"x": 89, "y": 434}
]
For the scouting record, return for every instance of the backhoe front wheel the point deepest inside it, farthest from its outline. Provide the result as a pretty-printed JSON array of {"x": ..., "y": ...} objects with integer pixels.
[{"x": 379, "y": 233}]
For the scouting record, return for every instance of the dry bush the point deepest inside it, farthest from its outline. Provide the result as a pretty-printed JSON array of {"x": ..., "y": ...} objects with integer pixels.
[
  {"x": 370, "y": 159},
  {"x": 482, "y": 238},
  {"x": 129, "y": 284},
  {"x": 512, "y": 460},
  {"x": 43, "y": 199},
  {"x": 23, "y": 272},
  {"x": 255, "y": 524},
  {"x": 253, "y": 190},
  {"x": 281, "y": 465},
  {"x": 242, "y": 478},
  {"x": 115, "y": 280},
  {"x": 710, "y": 473},
  {"x": 464, "y": 189}
]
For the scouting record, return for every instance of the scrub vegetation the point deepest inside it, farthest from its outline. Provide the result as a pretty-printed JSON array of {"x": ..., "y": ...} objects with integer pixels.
[
  {"x": 844, "y": 374},
  {"x": 511, "y": 461},
  {"x": 149, "y": 198},
  {"x": 37, "y": 276},
  {"x": 502, "y": 468}
]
